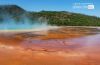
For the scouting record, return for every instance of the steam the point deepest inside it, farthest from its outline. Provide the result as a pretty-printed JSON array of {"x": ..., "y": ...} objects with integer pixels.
[{"x": 9, "y": 23}]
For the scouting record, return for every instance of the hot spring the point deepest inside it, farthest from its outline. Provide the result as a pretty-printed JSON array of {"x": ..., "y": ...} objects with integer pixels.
[
  {"x": 14, "y": 26},
  {"x": 25, "y": 24}
]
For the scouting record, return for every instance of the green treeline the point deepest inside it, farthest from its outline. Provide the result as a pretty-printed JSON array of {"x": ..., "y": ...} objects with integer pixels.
[
  {"x": 66, "y": 18},
  {"x": 59, "y": 18}
]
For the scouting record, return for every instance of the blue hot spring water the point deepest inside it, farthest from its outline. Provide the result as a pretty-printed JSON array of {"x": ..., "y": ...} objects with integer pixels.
[{"x": 10, "y": 24}]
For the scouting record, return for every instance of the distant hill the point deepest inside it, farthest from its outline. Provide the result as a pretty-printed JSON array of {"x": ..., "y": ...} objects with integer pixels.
[
  {"x": 52, "y": 17},
  {"x": 11, "y": 11},
  {"x": 67, "y": 18}
]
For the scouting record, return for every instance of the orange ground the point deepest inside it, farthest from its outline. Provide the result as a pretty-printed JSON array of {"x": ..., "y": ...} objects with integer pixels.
[{"x": 64, "y": 46}]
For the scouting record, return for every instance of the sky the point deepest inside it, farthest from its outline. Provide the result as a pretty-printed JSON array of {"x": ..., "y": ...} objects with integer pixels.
[{"x": 57, "y": 5}]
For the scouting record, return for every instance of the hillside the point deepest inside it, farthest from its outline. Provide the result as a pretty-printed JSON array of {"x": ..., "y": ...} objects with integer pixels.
[
  {"x": 11, "y": 11},
  {"x": 67, "y": 18},
  {"x": 52, "y": 17}
]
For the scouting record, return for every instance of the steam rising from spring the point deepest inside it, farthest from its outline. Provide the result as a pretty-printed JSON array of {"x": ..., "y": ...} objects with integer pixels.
[{"x": 8, "y": 23}]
